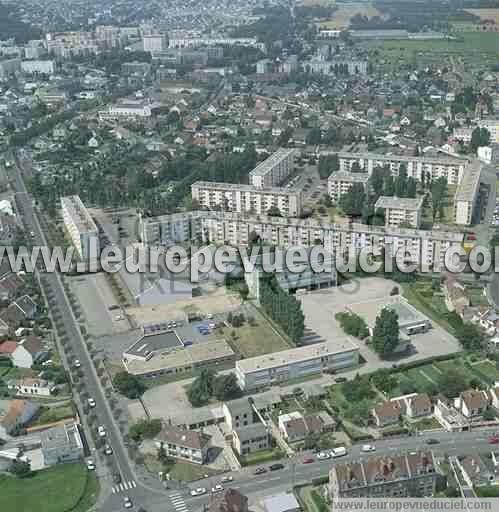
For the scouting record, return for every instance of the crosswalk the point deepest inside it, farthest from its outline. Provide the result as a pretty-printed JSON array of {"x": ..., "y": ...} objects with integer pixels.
[
  {"x": 124, "y": 486},
  {"x": 178, "y": 502}
]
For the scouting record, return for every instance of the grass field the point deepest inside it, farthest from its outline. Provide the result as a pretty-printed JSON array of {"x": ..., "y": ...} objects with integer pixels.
[
  {"x": 256, "y": 339},
  {"x": 484, "y": 42},
  {"x": 63, "y": 488},
  {"x": 53, "y": 414},
  {"x": 341, "y": 17},
  {"x": 488, "y": 369}
]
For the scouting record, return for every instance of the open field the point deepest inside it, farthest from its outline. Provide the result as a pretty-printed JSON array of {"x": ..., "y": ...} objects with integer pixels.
[
  {"x": 341, "y": 17},
  {"x": 53, "y": 414},
  {"x": 487, "y": 42},
  {"x": 255, "y": 339},
  {"x": 43, "y": 491}
]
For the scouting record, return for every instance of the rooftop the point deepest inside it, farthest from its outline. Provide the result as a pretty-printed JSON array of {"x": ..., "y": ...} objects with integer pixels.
[
  {"x": 266, "y": 166},
  {"x": 244, "y": 188},
  {"x": 403, "y": 158},
  {"x": 370, "y": 309},
  {"x": 282, "y": 502},
  {"x": 250, "y": 431},
  {"x": 181, "y": 437},
  {"x": 471, "y": 180},
  {"x": 355, "y": 177},
  {"x": 151, "y": 344},
  {"x": 78, "y": 213},
  {"x": 400, "y": 203},
  {"x": 296, "y": 355},
  {"x": 61, "y": 436}
]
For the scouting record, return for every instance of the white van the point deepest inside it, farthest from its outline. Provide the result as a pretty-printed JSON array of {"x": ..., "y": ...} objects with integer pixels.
[{"x": 338, "y": 452}]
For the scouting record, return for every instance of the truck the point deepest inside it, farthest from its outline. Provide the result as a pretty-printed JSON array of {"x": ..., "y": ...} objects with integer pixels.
[{"x": 338, "y": 452}]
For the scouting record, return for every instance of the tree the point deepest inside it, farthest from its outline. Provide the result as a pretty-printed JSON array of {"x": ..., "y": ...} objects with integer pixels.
[
  {"x": 145, "y": 429},
  {"x": 314, "y": 136},
  {"x": 451, "y": 383},
  {"x": 470, "y": 336},
  {"x": 353, "y": 325},
  {"x": 327, "y": 165},
  {"x": 274, "y": 211},
  {"x": 20, "y": 469},
  {"x": 384, "y": 380},
  {"x": 353, "y": 201},
  {"x": 388, "y": 186},
  {"x": 479, "y": 137},
  {"x": 128, "y": 385},
  {"x": 201, "y": 389},
  {"x": 311, "y": 442},
  {"x": 386, "y": 332},
  {"x": 411, "y": 187},
  {"x": 226, "y": 387}
]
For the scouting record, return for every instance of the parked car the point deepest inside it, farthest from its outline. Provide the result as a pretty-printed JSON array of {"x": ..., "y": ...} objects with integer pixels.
[
  {"x": 217, "y": 488},
  {"x": 338, "y": 452},
  {"x": 76, "y": 363},
  {"x": 91, "y": 402},
  {"x": 198, "y": 492},
  {"x": 226, "y": 479},
  {"x": 259, "y": 471},
  {"x": 102, "y": 431},
  {"x": 323, "y": 456},
  {"x": 368, "y": 448},
  {"x": 127, "y": 502},
  {"x": 340, "y": 379},
  {"x": 308, "y": 460},
  {"x": 494, "y": 439},
  {"x": 90, "y": 465},
  {"x": 432, "y": 441},
  {"x": 276, "y": 467},
  {"x": 108, "y": 450}
]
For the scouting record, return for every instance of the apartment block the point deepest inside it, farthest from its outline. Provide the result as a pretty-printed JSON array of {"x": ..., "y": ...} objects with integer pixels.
[
  {"x": 247, "y": 198},
  {"x": 251, "y": 438},
  {"x": 341, "y": 182},
  {"x": 155, "y": 43},
  {"x": 452, "y": 169},
  {"x": 262, "y": 371},
  {"x": 61, "y": 444},
  {"x": 80, "y": 226},
  {"x": 274, "y": 170},
  {"x": 492, "y": 125},
  {"x": 398, "y": 476},
  {"x": 170, "y": 229},
  {"x": 45, "y": 67},
  {"x": 401, "y": 211}
]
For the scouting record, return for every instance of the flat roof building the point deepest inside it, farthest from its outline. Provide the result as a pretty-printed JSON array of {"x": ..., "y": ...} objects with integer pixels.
[
  {"x": 400, "y": 211},
  {"x": 61, "y": 444},
  {"x": 262, "y": 371},
  {"x": 247, "y": 198},
  {"x": 341, "y": 182},
  {"x": 274, "y": 170},
  {"x": 215, "y": 354},
  {"x": 80, "y": 226}
]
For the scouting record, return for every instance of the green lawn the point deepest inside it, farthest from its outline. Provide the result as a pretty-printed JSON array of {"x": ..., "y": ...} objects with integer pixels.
[
  {"x": 487, "y": 491},
  {"x": 63, "y": 488},
  {"x": 488, "y": 369},
  {"x": 261, "y": 456},
  {"x": 188, "y": 472},
  {"x": 419, "y": 380},
  {"x": 426, "y": 424},
  {"x": 431, "y": 371},
  {"x": 53, "y": 414}
]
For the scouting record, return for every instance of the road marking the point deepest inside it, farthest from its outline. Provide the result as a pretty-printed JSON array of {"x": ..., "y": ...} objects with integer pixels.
[{"x": 134, "y": 484}]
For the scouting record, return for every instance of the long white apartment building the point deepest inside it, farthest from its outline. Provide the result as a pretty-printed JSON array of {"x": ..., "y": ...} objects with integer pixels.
[
  {"x": 339, "y": 183},
  {"x": 452, "y": 169},
  {"x": 247, "y": 198},
  {"x": 196, "y": 42},
  {"x": 80, "y": 226},
  {"x": 274, "y": 170},
  {"x": 262, "y": 371},
  {"x": 468, "y": 204},
  {"x": 401, "y": 210},
  {"x": 155, "y": 43},
  {"x": 128, "y": 109},
  {"x": 427, "y": 247},
  {"x": 45, "y": 67}
]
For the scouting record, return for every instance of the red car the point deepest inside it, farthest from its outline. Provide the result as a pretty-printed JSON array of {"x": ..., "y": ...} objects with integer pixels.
[
  {"x": 308, "y": 460},
  {"x": 494, "y": 440}
]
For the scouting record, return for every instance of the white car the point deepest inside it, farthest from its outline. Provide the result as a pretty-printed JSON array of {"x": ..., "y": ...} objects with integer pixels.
[
  {"x": 76, "y": 363},
  {"x": 127, "y": 502},
  {"x": 91, "y": 402},
  {"x": 198, "y": 492},
  {"x": 323, "y": 456},
  {"x": 368, "y": 448},
  {"x": 108, "y": 450},
  {"x": 90, "y": 465},
  {"x": 217, "y": 488},
  {"x": 227, "y": 479},
  {"x": 102, "y": 431}
]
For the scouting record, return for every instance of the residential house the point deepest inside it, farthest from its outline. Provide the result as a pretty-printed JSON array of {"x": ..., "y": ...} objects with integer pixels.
[
  {"x": 19, "y": 311},
  {"x": 29, "y": 350},
  {"x": 472, "y": 403},
  {"x": 61, "y": 444},
  {"x": 298, "y": 427},
  {"x": 475, "y": 472},
  {"x": 387, "y": 413},
  {"x": 31, "y": 386},
  {"x": 7, "y": 348},
  {"x": 14, "y": 414},
  {"x": 456, "y": 298},
  {"x": 8, "y": 228},
  {"x": 251, "y": 439},
  {"x": 184, "y": 444},
  {"x": 231, "y": 500},
  {"x": 418, "y": 405},
  {"x": 238, "y": 413},
  {"x": 445, "y": 413},
  {"x": 10, "y": 285}
]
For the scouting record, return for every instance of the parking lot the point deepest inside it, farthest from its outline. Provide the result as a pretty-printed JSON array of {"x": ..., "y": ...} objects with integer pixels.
[{"x": 320, "y": 308}]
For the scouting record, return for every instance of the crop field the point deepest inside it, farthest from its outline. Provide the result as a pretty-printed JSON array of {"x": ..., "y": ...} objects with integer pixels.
[{"x": 341, "y": 17}]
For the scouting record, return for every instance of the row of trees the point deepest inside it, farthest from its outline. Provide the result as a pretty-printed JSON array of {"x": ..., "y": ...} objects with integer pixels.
[
  {"x": 208, "y": 385},
  {"x": 353, "y": 325},
  {"x": 284, "y": 308},
  {"x": 385, "y": 337}
]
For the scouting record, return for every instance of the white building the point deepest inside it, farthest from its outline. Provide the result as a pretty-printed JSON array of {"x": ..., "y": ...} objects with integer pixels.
[
  {"x": 262, "y": 371},
  {"x": 31, "y": 386},
  {"x": 154, "y": 43},
  {"x": 45, "y": 67},
  {"x": 80, "y": 226},
  {"x": 274, "y": 170},
  {"x": 466, "y": 206},
  {"x": 492, "y": 125},
  {"x": 341, "y": 182},
  {"x": 61, "y": 444},
  {"x": 128, "y": 109},
  {"x": 452, "y": 169},
  {"x": 400, "y": 211},
  {"x": 184, "y": 444},
  {"x": 246, "y": 198}
]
